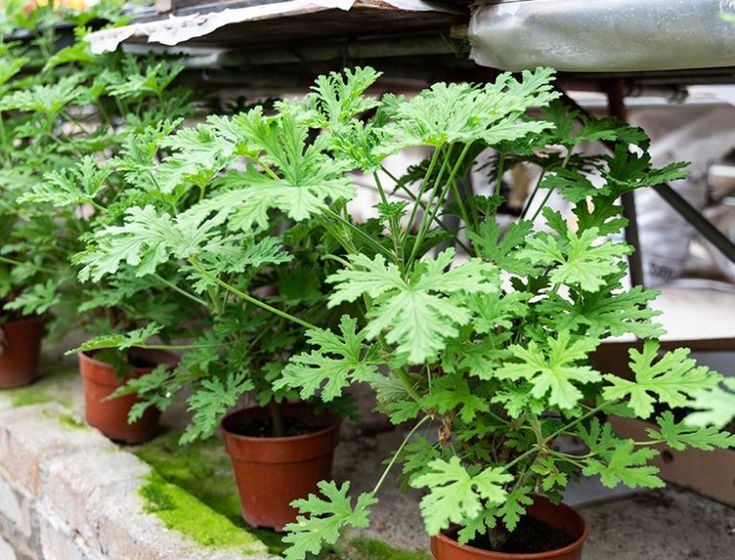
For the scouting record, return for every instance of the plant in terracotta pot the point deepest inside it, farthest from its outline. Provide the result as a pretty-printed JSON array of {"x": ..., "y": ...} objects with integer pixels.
[
  {"x": 487, "y": 351},
  {"x": 487, "y": 354},
  {"x": 253, "y": 282},
  {"x": 39, "y": 102},
  {"x": 63, "y": 121}
]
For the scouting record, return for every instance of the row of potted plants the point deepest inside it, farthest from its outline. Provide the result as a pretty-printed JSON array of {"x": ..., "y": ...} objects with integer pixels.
[{"x": 229, "y": 241}]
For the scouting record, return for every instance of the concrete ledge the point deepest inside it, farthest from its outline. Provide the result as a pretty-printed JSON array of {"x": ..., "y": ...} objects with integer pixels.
[{"x": 67, "y": 493}]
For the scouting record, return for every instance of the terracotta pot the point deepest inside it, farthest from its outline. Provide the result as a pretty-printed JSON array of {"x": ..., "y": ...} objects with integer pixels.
[
  {"x": 111, "y": 416},
  {"x": 273, "y": 472},
  {"x": 561, "y": 517},
  {"x": 20, "y": 351}
]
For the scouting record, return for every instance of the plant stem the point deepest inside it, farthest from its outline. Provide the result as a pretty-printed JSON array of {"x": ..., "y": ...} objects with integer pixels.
[
  {"x": 423, "y": 228},
  {"x": 8, "y": 260},
  {"x": 422, "y": 188},
  {"x": 403, "y": 376},
  {"x": 398, "y": 452},
  {"x": 437, "y": 221},
  {"x": 249, "y": 298},
  {"x": 276, "y": 414},
  {"x": 181, "y": 291},
  {"x": 533, "y": 194},
  {"x": 370, "y": 241}
]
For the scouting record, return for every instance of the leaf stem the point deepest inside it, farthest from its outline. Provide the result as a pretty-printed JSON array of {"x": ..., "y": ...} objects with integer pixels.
[
  {"x": 398, "y": 452},
  {"x": 249, "y": 298},
  {"x": 181, "y": 291}
]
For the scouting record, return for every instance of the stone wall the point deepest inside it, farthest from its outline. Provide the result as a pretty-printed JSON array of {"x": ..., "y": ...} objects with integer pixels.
[{"x": 67, "y": 493}]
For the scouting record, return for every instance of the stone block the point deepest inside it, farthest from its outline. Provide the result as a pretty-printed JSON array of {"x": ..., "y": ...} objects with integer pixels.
[
  {"x": 59, "y": 543},
  {"x": 6, "y": 551},
  {"x": 16, "y": 508},
  {"x": 73, "y": 485},
  {"x": 32, "y": 435}
]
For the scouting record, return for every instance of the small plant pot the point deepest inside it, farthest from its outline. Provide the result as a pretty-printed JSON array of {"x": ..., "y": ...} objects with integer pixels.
[
  {"x": 20, "y": 351},
  {"x": 272, "y": 472},
  {"x": 111, "y": 416},
  {"x": 560, "y": 517}
]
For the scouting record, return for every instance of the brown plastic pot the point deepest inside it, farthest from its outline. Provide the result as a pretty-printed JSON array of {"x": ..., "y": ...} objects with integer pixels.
[
  {"x": 111, "y": 416},
  {"x": 20, "y": 351},
  {"x": 272, "y": 472},
  {"x": 561, "y": 517}
]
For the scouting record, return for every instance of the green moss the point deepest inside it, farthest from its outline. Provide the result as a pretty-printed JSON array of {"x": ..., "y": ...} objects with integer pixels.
[
  {"x": 203, "y": 471},
  {"x": 69, "y": 421},
  {"x": 202, "y": 468},
  {"x": 369, "y": 549},
  {"x": 182, "y": 512},
  {"x": 48, "y": 388}
]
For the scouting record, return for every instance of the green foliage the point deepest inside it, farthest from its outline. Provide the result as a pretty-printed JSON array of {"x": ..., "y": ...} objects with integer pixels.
[
  {"x": 336, "y": 363},
  {"x": 715, "y": 406},
  {"x": 211, "y": 402},
  {"x": 679, "y": 436},
  {"x": 326, "y": 519},
  {"x": 554, "y": 370},
  {"x": 455, "y": 494},
  {"x": 672, "y": 378},
  {"x": 418, "y": 312},
  {"x": 242, "y": 222}
]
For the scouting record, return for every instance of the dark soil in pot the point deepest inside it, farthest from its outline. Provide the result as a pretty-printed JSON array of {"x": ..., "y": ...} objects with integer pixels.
[
  {"x": 111, "y": 416},
  {"x": 548, "y": 532},
  {"x": 272, "y": 472},
  {"x": 20, "y": 351}
]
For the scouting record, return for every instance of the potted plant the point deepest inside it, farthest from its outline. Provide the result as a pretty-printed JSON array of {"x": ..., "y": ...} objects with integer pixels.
[
  {"x": 60, "y": 120},
  {"x": 244, "y": 284},
  {"x": 489, "y": 352},
  {"x": 34, "y": 98}
]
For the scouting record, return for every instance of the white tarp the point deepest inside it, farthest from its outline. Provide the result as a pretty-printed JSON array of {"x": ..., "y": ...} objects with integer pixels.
[{"x": 175, "y": 30}]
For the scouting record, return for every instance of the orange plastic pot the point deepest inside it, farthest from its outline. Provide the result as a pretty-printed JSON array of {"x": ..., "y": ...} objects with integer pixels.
[
  {"x": 272, "y": 472},
  {"x": 20, "y": 351},
  {"x": 111, "y": 416},
  {"x": 560, "y": 517}
]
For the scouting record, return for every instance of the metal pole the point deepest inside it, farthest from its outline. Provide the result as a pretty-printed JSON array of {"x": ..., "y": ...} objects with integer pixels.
[{"x": 616, "y": 108}]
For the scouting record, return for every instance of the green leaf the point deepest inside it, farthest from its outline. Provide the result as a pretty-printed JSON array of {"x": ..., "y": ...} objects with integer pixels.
[
  {"x": 135, "y": 337},
  {"x": 453, "y": 392},
  {"x": 211, "y": 402},
  {"x": 326, "y": 519},
  {"x": 672, "y": 378},
  {"x": 339, "y": 97},
  {"x": 417, "y": 314},
  {"x": 625, "y": 465},
  {"x": 627, "y": 171},
  {"x": 679, "y": 436},
  {"x": 338, "y": 361},
  {"x": 553, "y": 369},
  {"x": 713, "y": 406},
  {"x": 514, "y": 506},
  {"x": 605, "y": 313},
  {"x": 77, "y": 185},
  {"x": 146, "y": 240},
  {"x": 465, "y": 113},
  {"x": 455, "y": 495},
  {"x": 502, "y": 247},
  {"x": 577, "y": 259},
  {"x": 37, "y": 299}
]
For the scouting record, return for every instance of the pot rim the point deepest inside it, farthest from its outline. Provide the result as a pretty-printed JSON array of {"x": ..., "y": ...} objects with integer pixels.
[
  {"x": 88, "y": 355},
  {"x": 25, "y": 320},
  {"x": 576, "y": 545},
  {"x": 335, "y": 423}
]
